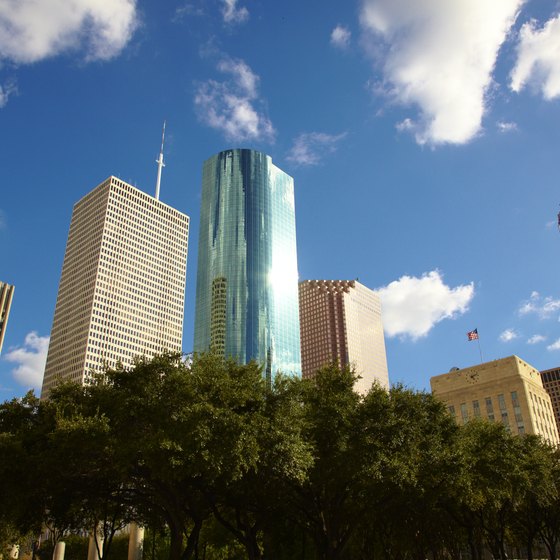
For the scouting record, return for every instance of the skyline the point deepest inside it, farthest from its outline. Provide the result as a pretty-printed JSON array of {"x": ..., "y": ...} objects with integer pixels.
[{"x": 422, "y": 137}]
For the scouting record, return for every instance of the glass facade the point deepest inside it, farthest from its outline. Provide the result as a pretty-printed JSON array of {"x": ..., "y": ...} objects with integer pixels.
[{"x": 247, "y": 280}]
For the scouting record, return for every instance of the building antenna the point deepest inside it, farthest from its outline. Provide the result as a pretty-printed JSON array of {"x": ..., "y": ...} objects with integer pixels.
[{"x": 160, "y": 163}]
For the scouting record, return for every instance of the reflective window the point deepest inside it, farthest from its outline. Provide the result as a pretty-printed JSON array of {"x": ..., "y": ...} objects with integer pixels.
[{"x": 247, "y": 281}]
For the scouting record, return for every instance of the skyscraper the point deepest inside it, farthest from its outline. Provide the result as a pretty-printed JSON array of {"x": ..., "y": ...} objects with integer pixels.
[
  {"x": 551, "y": 382},
  {"x": 6, "y": 295},
  {"x": 121, "y": 292},
  {"x": 246, "y": 293},
  {"x": 341, "y": 323}
]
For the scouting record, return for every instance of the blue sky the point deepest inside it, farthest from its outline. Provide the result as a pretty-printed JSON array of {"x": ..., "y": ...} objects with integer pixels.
[{"x": 422, "y": 135}]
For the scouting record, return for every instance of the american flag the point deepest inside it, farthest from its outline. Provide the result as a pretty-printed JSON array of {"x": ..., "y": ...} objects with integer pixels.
[{"x": 473, "y": 335}]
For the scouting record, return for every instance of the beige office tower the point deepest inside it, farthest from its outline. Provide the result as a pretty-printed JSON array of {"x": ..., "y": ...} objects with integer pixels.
[
  {"x": 121, "y": 292},
  {"x": 6, "y": 295},
  {"x": 508, "y": 390},
  {"x": 340, "y": 321}
]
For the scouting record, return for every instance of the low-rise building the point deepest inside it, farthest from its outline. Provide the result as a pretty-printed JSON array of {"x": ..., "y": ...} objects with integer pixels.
[{"x": 508, "y": 390}]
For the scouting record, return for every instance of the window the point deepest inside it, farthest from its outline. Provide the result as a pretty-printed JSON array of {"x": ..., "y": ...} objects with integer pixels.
[
  {"x": 489, "y": 408},
  {"x": 464, "y": 413},
  {"x": 476, "y": 409},
  {"x": 517, "y": 409},
  {"x": 503, "y": 410}
]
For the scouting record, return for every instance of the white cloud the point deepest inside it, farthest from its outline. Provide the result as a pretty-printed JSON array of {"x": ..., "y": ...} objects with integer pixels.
[
  {"x": 245, "y": 78},
  {"x": 6, "y": 91},
  {"x": 554, "y": 346},
  {"x": 538, "y": 58},
  {"x": 543, "y": 307},
  {"x": 232, "y": 14},
  {"x": 412, "y": 306},
  {"x": 230, "y": 106},
  {"x": 439, "y": 56},
  {"x": 310, "y": 147},
  {"x": 508, "y": 335},
  {"x": 405, "y": 125},
  {"x": 536, "y": 338},
  {"x": 340, "y": 37},
  {"x": 31, "y": 358},
  {"x": 186, "y": 10},
  {"x": 504, "y": 126},
  {"x": 32, "y": 30}
]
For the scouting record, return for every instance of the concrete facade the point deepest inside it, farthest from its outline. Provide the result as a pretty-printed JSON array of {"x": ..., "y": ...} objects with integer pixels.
[
  {"x": 6, "y": 296},
  {"x": 340, "y": 321},
  {"x": 121, "y": 292},
  {"x": 508, "y": 390}
]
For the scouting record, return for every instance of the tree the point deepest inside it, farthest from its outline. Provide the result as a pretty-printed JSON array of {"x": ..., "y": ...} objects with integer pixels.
[
  {"x": 251, "y": 506},
  {"x": 88, "y": 487},
  {"x": 549, "y": 530},
  {"x": 24, "y": 426},
  {"x": 490, "y": 484},
  {"x": 409, "y": 467},
  {"x": 58, "y": 467},
  {"x": 328, "y": 502},
  {"x": 195, "y": 435},
  {"x": 152, "y": 404},
  {"x": 536, "y": 492}
]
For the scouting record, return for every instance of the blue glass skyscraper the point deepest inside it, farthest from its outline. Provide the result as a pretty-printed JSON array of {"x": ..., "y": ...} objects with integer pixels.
[{"x": 247, "y": 282}]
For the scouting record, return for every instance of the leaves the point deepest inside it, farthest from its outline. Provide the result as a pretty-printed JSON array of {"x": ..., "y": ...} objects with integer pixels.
[{"x": 298, "y": 468}]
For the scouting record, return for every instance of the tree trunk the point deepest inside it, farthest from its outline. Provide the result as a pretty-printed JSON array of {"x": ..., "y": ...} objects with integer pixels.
[
  {"x": 495, "y": 549},
  {"x": 551, "y": 547},
  {"x": 529, "y": 548},
  {"x": 503, "y": 553},
  {"x": 192, "y": 541},
  {"x": 473, "y": 545},
  {"x": 252, "y": 546},
  {"x": 176, "y": 543}
]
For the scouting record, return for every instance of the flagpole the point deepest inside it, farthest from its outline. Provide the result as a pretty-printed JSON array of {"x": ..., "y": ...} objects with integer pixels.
[
  {"x": 473, "y": 335},
  {"x": 479, "y": 349}
]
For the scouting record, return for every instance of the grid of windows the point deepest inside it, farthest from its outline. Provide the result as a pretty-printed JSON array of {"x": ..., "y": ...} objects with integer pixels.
[
  {"x": 503, "y": 410},
  {"x": 551, "y": 382},
  {"x": 542, "y": 414},
  {"x": 121, "y": 292},
  {"x": 517, "y": 412},
  {"x": 340, "y": 321},
  {"x": 218, "y": 321}
]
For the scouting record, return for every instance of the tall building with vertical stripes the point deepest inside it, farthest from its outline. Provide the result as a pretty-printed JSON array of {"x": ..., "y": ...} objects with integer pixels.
[
  {"x": 6, "y": 295},
  {"x": 247, "y": 284},
  {"x": 341, "y": 323},
  {"x": 121, "y": 292}
]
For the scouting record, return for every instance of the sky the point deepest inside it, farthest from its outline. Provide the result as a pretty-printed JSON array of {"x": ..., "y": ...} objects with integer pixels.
[{"x": 422, "y": 136}]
